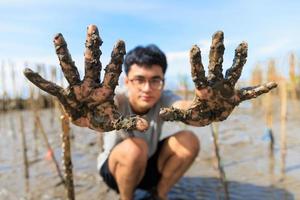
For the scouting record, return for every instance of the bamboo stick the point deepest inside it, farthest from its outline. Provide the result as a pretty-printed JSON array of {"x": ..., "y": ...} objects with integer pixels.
[
  {"x": 46, "y": 140},
  {"x": 3, "y": 106},
  {"x": 256, "y": 79},
  {"x": 35, "y": 129},
  {"x": 272, "y": 72},
  {"x": 283, "y": 117},
  {"x": 13, "y": 98},
  {"x": 271, "y": 76},
  {"x": 13, "y": 78},
  {"x": 53, "y": 100},
  {"x": 222, "y": 175},
  {"x": 271, "y": 156},
  {"x": 292, "y": 73},
  {"x": 24, "y": 147},
  {"x": 4, "y": 93},
  {"x": 39, "y": 126},
  {"x": 67, "y": 158}
]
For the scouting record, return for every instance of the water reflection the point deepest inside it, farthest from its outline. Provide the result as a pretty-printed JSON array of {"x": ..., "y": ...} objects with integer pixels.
[{"x": 202, "y": 188}]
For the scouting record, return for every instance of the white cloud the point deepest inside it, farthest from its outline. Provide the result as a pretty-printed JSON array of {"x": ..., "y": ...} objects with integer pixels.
[
  {"x": 184, "y": 55},
  {"x": 173, "y": 56},
  {"x": 274, "y": 47}
]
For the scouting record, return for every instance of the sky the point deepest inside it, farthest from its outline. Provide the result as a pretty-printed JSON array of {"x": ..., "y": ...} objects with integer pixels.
[{"x": 271, "y": 29}]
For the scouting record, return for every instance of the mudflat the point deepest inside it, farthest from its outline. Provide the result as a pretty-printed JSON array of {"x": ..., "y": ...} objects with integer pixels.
[{"x": 251, "y": 171}]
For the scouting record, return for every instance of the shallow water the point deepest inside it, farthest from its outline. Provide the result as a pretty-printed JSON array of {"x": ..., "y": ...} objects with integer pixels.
[{"x": 250, "y": 172}]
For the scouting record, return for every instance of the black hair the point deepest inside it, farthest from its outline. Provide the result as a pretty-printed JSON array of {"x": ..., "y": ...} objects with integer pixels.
[{"x": 146, "y": 57}]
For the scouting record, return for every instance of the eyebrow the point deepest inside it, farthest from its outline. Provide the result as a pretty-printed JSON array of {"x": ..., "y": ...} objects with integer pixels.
[{"x": 153, "y": 77}]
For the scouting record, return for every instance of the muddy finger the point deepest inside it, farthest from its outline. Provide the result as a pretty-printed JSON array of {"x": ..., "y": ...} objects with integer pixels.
[
  {"x": 54, "y": 90},
  {"x": 240, "y": 58},
  {"x": 253, "y": 92},
  {"x": 114, "y": 68},
  {"x": 43, "y": 84},
  {"x": 216, "y": 57},
  {"x": 67, "y": 64},
  {"x": 92, "y": 55},
  {"x": 197, "y": 69}
]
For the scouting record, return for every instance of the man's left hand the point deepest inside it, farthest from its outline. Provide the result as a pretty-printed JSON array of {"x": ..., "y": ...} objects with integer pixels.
[{"x": 216, "y": 96}]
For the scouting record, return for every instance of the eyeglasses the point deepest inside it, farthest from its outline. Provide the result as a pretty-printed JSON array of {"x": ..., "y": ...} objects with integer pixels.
[{"x": 154, "y": 83}]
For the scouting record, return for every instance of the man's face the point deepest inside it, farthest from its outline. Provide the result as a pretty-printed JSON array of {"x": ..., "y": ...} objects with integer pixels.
[{"x": 144, "y": 86}]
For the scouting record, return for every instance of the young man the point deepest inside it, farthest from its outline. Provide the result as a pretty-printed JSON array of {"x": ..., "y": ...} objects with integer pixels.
[{"x": 142, "y": 160}]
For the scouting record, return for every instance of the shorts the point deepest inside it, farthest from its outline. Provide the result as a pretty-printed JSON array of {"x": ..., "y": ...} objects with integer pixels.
[{"x": 151, "y": 176}]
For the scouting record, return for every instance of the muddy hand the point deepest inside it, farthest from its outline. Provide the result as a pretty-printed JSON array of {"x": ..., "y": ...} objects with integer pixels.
[
  {"x": 88, "y": 102},
  {"x": 216, "y": 95}
]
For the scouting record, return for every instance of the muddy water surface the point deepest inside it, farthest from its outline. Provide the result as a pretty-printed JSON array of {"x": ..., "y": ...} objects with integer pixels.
[{"x": 244, "y": 148}]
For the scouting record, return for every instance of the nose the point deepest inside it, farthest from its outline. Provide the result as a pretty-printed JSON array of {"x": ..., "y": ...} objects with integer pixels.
[{"x": 146, "y": 87}]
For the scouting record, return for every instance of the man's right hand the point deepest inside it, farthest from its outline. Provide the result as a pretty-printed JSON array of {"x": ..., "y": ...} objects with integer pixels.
[{"x": 88, "y": 102}]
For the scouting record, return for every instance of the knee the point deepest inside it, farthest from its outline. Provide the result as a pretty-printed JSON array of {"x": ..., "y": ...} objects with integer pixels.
[
  {"x": 186, "y": 145},
  {"x": 134, "y": 152}
]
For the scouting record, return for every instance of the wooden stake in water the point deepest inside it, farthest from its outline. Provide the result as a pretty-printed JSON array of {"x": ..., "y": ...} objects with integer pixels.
[
  {"x": 49, "y": 148},
  {"x": 269, "y": 105},
  {"x": 3, "y": 106},
  {"x": 35, "y": 127},
  {"x": 283, "y": 116},
  {"x": 271, "y": 155},
  {"x": 222, "y": 175},
  {"x": 256, "y": 79},
  {"x": 4, "y": 93},
  {"x": 13, "y": 78},
  {"x": 292, "y": 73},
  {"x": 53, "y": 99},
  {"x": 24, "y": 147},
  {"x": 67, "y": 158},
  {"x": 14, "y": 98}
]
